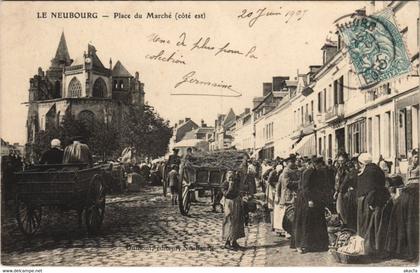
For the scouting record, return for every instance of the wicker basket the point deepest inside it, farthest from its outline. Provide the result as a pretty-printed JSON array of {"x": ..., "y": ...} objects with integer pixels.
[{"x": 345, "y": 258}]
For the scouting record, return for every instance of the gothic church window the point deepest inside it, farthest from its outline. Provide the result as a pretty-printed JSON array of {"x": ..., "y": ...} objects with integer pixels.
[
  {"x": 99, "y": 88},
  {"x": 75, "y": 88}
]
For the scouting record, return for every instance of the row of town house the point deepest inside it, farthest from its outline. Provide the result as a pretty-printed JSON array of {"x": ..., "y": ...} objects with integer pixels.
[{"x": 325, "y": 110}]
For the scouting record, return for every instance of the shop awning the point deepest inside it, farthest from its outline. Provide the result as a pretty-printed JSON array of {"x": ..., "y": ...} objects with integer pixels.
[
  {"x": 188, "y": 143},
  {"x": 305, "y": 146},
  {"x": 256, "y": 154}
]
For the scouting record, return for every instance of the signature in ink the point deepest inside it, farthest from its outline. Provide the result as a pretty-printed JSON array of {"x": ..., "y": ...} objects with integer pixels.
[{"x": 190, "y": 78}]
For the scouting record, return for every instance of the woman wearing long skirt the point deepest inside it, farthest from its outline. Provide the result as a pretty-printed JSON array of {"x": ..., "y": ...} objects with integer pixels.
[
  {"x": 372, "y": 214},
  {"x": 348, "y": 190},
  {"x": 310, "y": 223},
  {"x": 403, "y": 232},
  {"x": 272, "y": 180},
  {"x": 233, "y": 221}
]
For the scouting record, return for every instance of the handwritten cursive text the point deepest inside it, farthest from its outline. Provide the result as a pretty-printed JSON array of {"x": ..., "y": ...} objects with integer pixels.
[
  {"x": 190, "y": 78},
  {"x": 287, "y": 16}
]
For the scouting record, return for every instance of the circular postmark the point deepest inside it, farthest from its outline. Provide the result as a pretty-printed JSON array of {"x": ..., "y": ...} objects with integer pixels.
[{"x": 374, "y": 45}]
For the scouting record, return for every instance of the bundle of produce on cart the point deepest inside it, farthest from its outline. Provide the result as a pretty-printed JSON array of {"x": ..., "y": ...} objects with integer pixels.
[
  {"x": 223, "y": 160},
  {"x": 205, "y": 171}
]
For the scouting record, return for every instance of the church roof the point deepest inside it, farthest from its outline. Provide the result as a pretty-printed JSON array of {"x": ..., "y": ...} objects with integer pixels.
[
  {"x": 62, "y": 53},
  {"x": 120, "y": 71},
  {"x": 96, "y": 62}
]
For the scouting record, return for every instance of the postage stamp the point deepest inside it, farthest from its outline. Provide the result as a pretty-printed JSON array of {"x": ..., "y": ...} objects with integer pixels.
[{"x": 376, "y": 47}]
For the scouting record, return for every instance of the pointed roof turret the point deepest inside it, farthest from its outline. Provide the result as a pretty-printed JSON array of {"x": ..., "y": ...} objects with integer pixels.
[
  {"x": 120, "y": 71},
  {"x": 62, "y": 55}
]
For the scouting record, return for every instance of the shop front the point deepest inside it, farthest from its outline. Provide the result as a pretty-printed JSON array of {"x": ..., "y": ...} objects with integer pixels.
[
  {"x": 356, "y": 137},
  {"x": 407, "y": 128}
]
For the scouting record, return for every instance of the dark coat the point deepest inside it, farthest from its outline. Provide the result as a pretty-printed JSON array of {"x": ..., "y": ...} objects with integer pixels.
[
  {"x": 232, "y": 191},
  {"x": 52, "y": 156},
  {"x": 310, "y": 227},
  {"x": 371, "y": 183},
  {"x": 402, "y": 239}
]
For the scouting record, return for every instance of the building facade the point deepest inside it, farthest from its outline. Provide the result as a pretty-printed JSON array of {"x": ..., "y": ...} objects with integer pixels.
[
  {"x": 224, "y": 132},
  {"x": 244, "y": 131},
  {"x": 83, "y": 87},
  {"x": 327, "y": 111},
  {"x": 268, "y": 123}
]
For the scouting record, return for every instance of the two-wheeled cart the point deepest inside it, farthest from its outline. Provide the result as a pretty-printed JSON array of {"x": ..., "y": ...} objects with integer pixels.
[{"x": 64, "y": 186}]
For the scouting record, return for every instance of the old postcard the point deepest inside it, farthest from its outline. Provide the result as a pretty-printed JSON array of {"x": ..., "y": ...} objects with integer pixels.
[{"x": 212, "y": 134}]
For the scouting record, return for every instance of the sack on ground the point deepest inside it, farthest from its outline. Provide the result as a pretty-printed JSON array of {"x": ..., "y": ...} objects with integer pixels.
[{"x": 355, "y": 246}]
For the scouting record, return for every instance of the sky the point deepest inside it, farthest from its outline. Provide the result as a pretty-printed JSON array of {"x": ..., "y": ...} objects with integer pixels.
[{"x": 277, "y": 45}]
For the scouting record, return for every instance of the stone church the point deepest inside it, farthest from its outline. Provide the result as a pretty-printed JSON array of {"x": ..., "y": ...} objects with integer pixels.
[{"x": 83, "y": 86}]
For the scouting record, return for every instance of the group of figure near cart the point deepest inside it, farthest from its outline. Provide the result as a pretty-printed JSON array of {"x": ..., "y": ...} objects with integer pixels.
[
  {"x": 66, "y": 180},
  {"x": 313, "y": 203}
]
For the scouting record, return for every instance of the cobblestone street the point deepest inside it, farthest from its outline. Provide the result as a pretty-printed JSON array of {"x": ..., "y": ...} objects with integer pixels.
[{"x": 143, "y": 229}]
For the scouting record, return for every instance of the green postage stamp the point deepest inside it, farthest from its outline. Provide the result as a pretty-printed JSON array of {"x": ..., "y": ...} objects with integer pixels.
[{"x": 376, "y": 47}]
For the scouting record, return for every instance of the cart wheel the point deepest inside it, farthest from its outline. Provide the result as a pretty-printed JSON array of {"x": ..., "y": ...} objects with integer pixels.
[
  {"x": 165, "y": 181},
  {"x": 95, "y": 208},
  {"x": 184, "y": 195},
  {"x": 28, "y": 218}
]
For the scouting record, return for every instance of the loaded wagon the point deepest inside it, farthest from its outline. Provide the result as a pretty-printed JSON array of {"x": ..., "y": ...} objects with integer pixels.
[
  {"x": 205, "y": 171},
  {"x": 64, "y": 186}
]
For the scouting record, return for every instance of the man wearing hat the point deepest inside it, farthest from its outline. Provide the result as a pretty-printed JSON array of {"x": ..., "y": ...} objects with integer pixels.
[
  {"x": 53, "y": 155},
  {"x": 372, "y": 220},
  {"x": 174, "y": 158},
  {"x": 285, "y": 191}
]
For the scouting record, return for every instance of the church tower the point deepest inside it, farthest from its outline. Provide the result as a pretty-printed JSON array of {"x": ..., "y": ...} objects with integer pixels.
[{"x": 61, "y": 59}]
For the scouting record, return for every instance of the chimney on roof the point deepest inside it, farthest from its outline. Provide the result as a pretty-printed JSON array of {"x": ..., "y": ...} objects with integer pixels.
[
  {"x": 110, "y": 64},
  {"x": 329, "y": 50},
  {"x": 257, "y": 101},
  {"x": 314, "y": 68},
  {"x": 203, "y": 124},
  {"x": 279, "y": 83},
  {"x": 187, "y": 119},
  {"x": 247, "y": 110},
  {"x": 267, "y": 88},
  {"x": 180, "y": 121}
]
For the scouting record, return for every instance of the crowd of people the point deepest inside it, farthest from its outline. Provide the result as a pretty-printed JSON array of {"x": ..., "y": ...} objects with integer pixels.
[{"x": 380, "y": 208}]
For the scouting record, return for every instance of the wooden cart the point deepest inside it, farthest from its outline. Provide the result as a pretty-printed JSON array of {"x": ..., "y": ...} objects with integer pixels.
[
  {"x": 194, "y": 178},
  {"x": 67, "y": 186}
]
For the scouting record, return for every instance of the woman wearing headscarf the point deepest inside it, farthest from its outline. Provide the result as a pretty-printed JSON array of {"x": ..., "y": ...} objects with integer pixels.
[
  {"x": 372, "y": 214},
  {"x": 403, "y": 232},
  {"x": 233, "y": 221}
]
